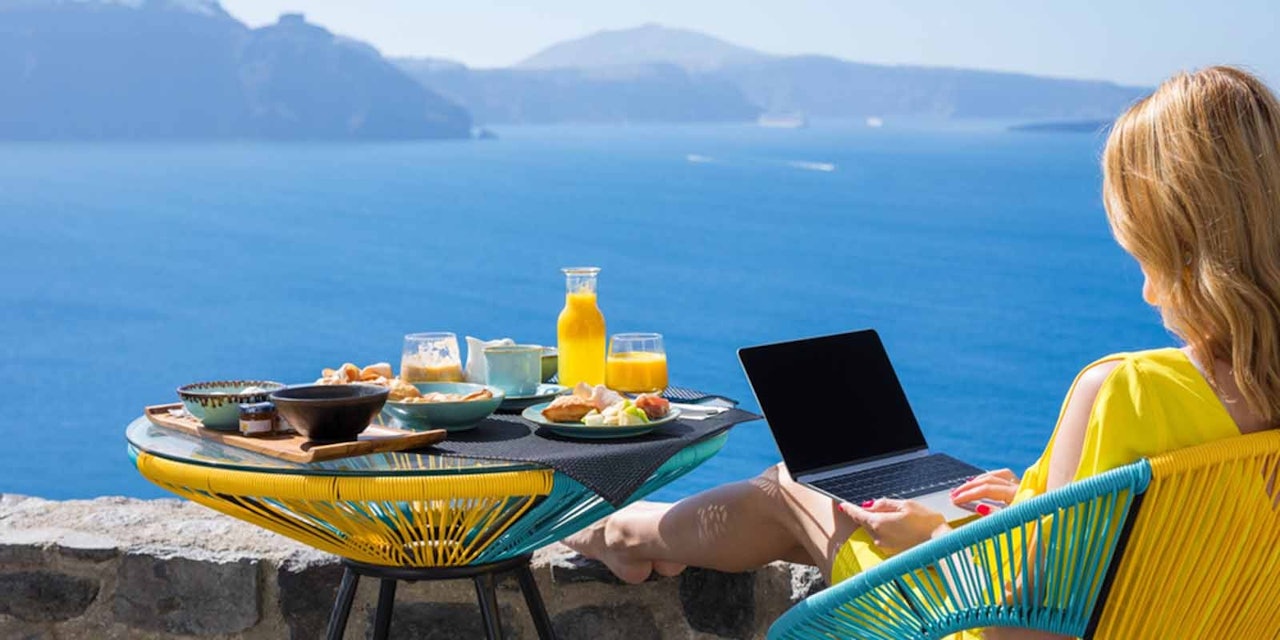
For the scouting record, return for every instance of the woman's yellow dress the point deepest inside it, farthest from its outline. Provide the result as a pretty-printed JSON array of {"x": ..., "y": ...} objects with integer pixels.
[{"x": 1151, "y": 403}]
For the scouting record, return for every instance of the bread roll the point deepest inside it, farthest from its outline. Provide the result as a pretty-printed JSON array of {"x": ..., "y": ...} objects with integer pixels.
[{"x": 568, "y": 409}]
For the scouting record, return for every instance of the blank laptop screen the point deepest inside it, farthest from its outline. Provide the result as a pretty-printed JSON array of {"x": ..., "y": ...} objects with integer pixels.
[{"x": 831, "y": 400}]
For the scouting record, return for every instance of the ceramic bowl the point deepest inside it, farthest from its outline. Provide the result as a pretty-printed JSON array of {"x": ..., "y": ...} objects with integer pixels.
[
  {"x": 217, "y": 404},
  {"x": 450, "y": 416},
  {"x": 330, "y": 412},
  {"x": 550, "y": 363}
]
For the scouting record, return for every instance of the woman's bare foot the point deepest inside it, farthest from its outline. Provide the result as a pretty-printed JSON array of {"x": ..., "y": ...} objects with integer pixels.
[
  {"x": 668, "y": 569},
  {"x": 593, "y": 542},
  {"x": 662, "y": 567}
]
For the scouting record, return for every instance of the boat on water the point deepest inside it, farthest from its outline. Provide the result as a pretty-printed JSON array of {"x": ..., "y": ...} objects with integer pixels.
[
  {"x": 875, "y": 122},
  {"x": 783, "y": 120}
]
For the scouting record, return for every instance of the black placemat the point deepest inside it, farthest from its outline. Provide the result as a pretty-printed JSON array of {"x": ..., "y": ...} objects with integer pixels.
[
  {"x": 613, "y": 469},
  {"x": 685, "y": 394}
]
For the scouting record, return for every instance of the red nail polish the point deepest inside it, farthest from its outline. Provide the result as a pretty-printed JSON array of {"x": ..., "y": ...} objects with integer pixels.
[
  {"x": 984, "y": 509},
  {"x": 866, "y": 504}
]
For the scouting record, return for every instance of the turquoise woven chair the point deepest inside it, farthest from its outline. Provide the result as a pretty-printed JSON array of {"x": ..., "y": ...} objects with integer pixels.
[
  {"x": 1183, "y": 545},
  {"x": 965, "y": 579}
]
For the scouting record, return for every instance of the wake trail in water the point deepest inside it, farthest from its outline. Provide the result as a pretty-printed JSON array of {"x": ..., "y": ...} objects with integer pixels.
[
  {"x": 803, "y": 165},
  {"x": 812, "y": 166}
]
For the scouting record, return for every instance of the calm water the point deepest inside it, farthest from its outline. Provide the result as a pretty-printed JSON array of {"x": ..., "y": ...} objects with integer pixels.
[{"x": 126, "y": 270}]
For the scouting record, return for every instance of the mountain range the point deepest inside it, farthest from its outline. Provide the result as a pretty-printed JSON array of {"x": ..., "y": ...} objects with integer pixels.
[
  {"x": 653, "y": 72},
  {"x": 154, "y": 69},
  {"x": 690, "y": 50}
]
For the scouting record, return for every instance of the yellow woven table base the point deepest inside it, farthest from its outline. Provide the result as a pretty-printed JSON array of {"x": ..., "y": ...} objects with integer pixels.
[{"x": 407, "y": 521}]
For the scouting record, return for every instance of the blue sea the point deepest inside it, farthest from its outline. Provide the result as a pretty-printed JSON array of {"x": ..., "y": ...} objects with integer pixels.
[{"x": 981, "y": 255}]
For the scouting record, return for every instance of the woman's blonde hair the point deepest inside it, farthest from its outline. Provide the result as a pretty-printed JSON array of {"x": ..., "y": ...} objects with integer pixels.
[{"x": 1192, "y": 190}]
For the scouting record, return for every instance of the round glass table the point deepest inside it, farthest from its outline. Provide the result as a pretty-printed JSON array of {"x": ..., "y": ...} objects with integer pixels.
[{"x": 396, "y": 516}]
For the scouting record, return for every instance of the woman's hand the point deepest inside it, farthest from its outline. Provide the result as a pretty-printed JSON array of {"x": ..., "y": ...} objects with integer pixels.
[
  {"x": 897, "y": 525},
  {"x": 1000, "y": 485}
]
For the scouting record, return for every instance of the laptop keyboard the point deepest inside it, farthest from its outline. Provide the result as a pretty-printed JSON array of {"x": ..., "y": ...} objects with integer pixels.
[{"x": 906, "y": 479}]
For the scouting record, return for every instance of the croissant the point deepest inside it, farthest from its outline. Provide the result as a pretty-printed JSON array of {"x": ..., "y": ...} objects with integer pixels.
[
  {"x": 375, "y": 371},
  {"x": 568, "y": 409}
]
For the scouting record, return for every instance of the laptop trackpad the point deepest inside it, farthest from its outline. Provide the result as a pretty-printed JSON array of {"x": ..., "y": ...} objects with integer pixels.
[{"x": 941, "y": 502}]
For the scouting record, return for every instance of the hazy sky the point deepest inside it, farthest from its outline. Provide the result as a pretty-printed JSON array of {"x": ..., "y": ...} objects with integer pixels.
[{"x": 1131, "y": 41}]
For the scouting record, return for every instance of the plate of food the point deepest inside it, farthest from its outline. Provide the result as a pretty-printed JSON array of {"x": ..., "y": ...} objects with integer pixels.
[
  {"x": 598, "y": 413},
  {"x": 545, "y": 393}
]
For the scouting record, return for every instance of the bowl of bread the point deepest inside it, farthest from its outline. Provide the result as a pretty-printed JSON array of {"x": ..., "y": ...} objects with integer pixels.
[
  {"x": 422, "y": 406},
  {"x": 452, "y": 406}
]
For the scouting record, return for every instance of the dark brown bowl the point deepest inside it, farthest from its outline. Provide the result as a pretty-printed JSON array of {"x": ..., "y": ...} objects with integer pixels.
[{"x": 330, "y": 412}]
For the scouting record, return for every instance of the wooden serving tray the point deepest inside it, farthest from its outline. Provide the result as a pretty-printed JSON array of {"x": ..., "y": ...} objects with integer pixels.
[{"x": 296, "y": 447}]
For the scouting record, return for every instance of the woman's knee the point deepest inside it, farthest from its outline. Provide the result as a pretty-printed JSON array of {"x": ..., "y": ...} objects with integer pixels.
[{"x": 776, "y": 481}]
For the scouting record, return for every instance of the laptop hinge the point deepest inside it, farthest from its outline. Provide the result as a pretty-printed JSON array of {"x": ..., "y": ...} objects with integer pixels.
[{"x": 861, "y": 465}]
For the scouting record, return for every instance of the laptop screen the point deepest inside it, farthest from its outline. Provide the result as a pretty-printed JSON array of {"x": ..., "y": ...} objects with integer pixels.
[{"x": 831, "y": 400}]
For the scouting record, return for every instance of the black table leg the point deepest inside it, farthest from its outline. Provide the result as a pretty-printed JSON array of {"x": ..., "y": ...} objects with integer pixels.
[
  {"x": 533, "y": 598},
  {"x": 386, "y": 602},
  {"x": 489, "y": 606},
  {"x": 484, "y": 576},
  {"x": 342, "y": 604}
]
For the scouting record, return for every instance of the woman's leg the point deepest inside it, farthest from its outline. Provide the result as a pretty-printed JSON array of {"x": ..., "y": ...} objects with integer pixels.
[{"x": 734, "y": 527}]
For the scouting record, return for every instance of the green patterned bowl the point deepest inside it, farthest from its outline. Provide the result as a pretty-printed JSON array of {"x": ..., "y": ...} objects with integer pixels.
[{"x": 217, "y": 404}]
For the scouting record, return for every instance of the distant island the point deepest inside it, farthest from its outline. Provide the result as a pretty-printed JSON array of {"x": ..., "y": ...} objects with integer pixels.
[
  {"x": 186, "y": 69},
  {"x": 656, "y": 73},
  {"x": 656, "y": 92},
  {"x": 1068, "y": 126}
]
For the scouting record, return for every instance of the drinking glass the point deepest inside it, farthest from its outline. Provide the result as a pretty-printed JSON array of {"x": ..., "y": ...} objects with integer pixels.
[
  {"x": 637, "y": 363},
  {"x": 431, "y": 357}
]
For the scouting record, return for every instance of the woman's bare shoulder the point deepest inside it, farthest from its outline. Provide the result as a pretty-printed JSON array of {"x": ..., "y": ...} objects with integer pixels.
[
  {"x": 1098, "y": 372},
  {"x": 1068, "y": 440},
  {"x": 1091, "y": 378}
]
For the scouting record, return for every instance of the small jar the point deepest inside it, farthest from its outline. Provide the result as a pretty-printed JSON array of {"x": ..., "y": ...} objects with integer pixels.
[{"x": 258, "y": 419}]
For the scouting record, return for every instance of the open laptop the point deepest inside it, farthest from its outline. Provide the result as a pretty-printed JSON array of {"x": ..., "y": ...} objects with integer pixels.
[{"x": 843, "y": 424}]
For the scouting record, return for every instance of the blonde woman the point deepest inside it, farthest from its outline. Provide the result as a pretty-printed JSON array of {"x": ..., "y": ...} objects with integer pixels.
[{"x": 1192, "y": 191}]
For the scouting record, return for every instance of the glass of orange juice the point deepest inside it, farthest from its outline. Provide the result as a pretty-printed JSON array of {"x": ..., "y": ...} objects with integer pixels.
[
  {"x": 431, "y": 357},
  {"x": 637, "y": 363}
]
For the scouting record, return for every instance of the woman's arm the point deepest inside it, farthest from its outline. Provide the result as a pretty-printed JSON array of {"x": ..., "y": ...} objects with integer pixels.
[
  {"x": 1069, "y": 442},
  {"x": 1064, "y": 459},
  {"x": 902, "y": 524}
]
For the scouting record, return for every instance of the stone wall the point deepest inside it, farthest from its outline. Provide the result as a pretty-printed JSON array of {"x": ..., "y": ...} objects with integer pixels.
[{"x": 125, "y": 568}]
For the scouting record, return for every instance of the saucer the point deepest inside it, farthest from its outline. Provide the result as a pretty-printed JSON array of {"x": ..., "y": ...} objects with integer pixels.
[{"x": 545, "y": 393}]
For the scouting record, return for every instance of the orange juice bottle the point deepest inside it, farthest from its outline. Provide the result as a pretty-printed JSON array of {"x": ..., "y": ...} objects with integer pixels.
[{"x": 580, "y": 330}]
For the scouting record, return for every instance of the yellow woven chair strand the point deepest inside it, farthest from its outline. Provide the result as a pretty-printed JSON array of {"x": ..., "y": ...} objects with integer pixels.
[{"x": 1203, "y": 560}]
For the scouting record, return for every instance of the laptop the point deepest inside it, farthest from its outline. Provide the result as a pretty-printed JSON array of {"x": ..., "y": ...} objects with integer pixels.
[{"x": 843, "y": 424}]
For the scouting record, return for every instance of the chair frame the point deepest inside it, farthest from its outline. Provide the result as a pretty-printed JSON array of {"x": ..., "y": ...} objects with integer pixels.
[
  {"x": 1101, "y": 568},
  {"x": 850, "y": 609}
]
